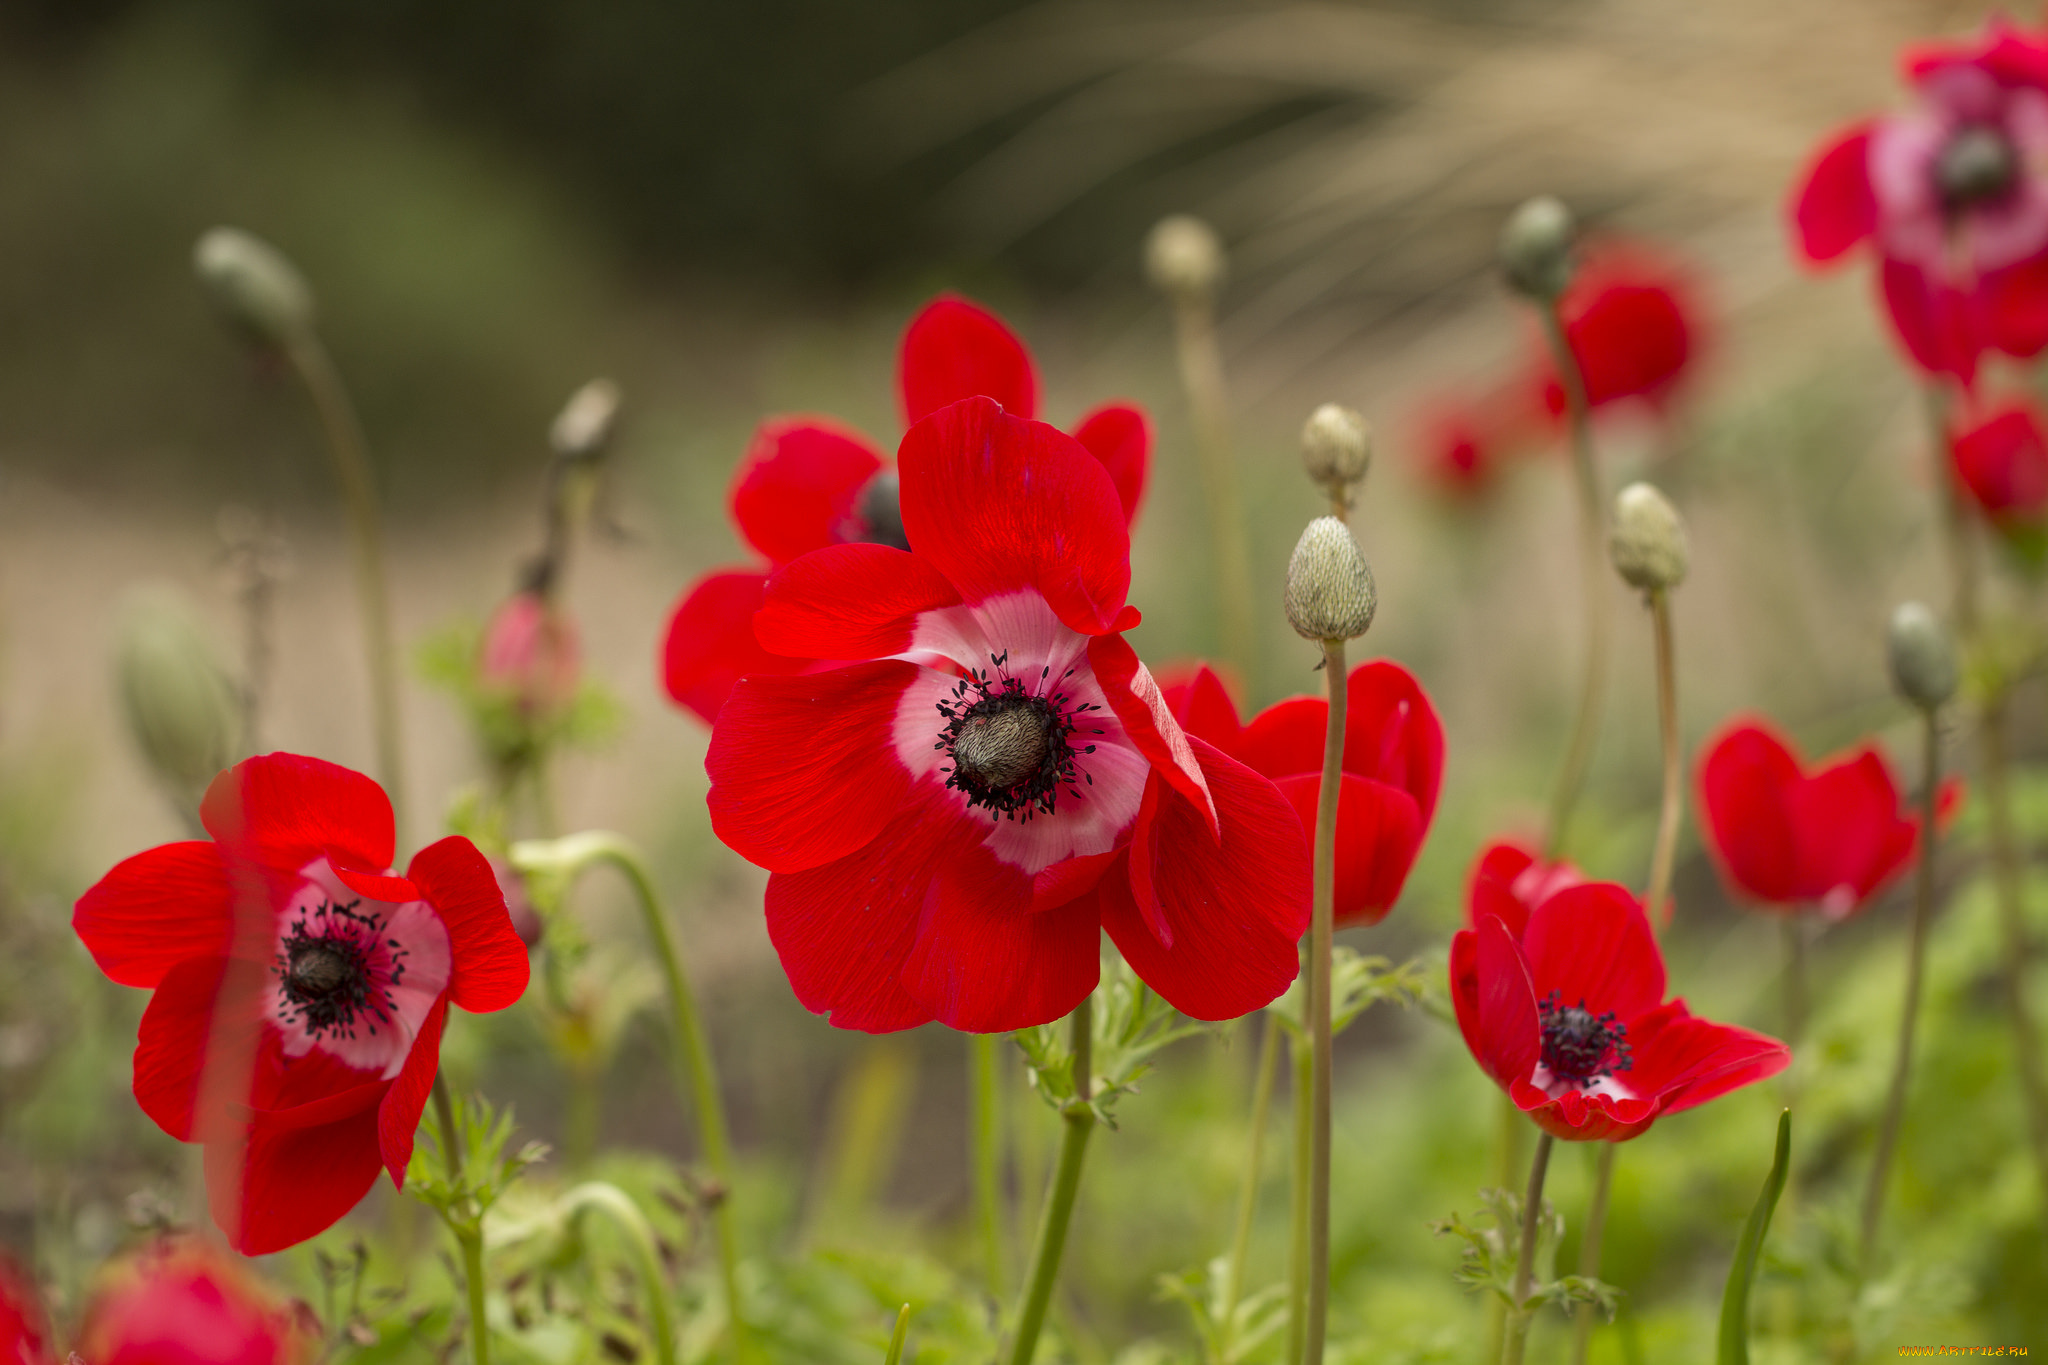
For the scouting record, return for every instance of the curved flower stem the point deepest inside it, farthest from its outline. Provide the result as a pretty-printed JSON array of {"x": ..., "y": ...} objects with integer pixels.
[
  {"x": 1578, "y": 756},
  {"x": 1794, "y": 934},
  {"x": 1909, "y": 1014},
  {"x": 1589, "y": 1249},
  {"x": 373, "y": 596},
  {"x": 471, "y": 1241},
  {"x": 1201, "y": 373},
  {"x": 1512, "y": 1129},
  {"x": 467, "y": 1228},
  {"x": 1079, "y": 1118},
  {"x": 1297, "y": 1243},
  {"x": 1322, "y": 925},
  {"x": 599, "y": 1197},
  {"x": 1525, "y": 1255},
  {"x": 1248, "y": 1192},
  {"x": 985, "y": 1127},
  {"x": 1657, "y": 899},
  {"x": 696, "y": 1074}
]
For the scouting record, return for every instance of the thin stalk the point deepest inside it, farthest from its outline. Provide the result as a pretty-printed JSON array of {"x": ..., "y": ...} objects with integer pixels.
[
  {"x": 1571, "y": 777},
  {"x": 614, "y": 1203},
  {"x": 1512, "y": 1130},
  {"x": 1322, "y": 926},
  {"x": 2009, "y": 872},
  {"x": 1079, "y": 1119},
  {"x": 1589, "y": 1248},
  {"x": 1525, "y": 1255},
  {"x": 373, "y": 597},
  {"x": 471, "y": 1240},
  {"x": 1665, "y": 854},
  {"x": 1201, "y": 372},
  {"x": 1909, "y": 1014},
  {"x": 1794, "y": 935},
  {"x": 467, "y": 1229},
  {"x": 452, "y": 1140},
  {"x": 1248, "y": 1192},
  {"x": 984, "y": 1141},
  {"x": 1297, "y": 1222}
]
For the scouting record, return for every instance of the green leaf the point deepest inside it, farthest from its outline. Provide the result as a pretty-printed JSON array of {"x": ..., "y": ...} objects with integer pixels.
[
  {"x": 896, "y": 1337},
  {"x": 1734, "y": 1349}
]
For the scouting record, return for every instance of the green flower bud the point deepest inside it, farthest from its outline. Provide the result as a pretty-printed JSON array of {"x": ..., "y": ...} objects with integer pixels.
[
  {"x": 1923, "y": 661},
  {"x": 584, "y": 426},
  {"x": 1648, "y": 542},
  {"x": 1336, "y": 447},
  {"x": 178, "y": 701},
  {"x": 259, "y": 292},
  {"x": 1330, "y": 593},
  {"x": 1184, "y": 259},
  {"x": 1536, "y": 248}
]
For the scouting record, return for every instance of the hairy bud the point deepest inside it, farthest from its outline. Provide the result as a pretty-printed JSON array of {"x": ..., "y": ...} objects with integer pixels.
[
  {"x": 584, "y": 426},
  {"x": 1923, "y": 661},
  {"x": 1336, "y": 447},
  {"x": 1330, "y": 593},
  {"x": 1184, "y": 258},
  {"x": 1536, "y": 248},
  {"x": 258, "y": 291},
  {"x": 1648, "y": 542},
  {"x": 178, "y": 701}
]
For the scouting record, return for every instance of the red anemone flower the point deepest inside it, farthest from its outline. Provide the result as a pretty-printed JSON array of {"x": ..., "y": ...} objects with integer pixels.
[
  {"x": 1953, "y": 197},
  {"x": 529, "y": 654},
  {"x": 24, "y": 1329},
  {"x": 808, "y": 482},
  {"x": 1785, "y": 836},
  {"x": 1393, "y": 765},
  {"x": 288, "y": 949},
  {"x": 1632, "y": 327},
  {"x": 1508, "y": 881},
  {"x": 953, "y": 820},
  {"x": 2002, "y": 460},
  {"x": 177, "y": 1303},
  {"x": 1570, "y": 1019}
]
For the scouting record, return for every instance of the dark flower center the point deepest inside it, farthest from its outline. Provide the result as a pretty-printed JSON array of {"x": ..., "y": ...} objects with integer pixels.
[
  {"x": 877, "y": 515},
  {"x": 324, "y": 970},
  {"x": 1579, "y": 1046},
  {"x": 1976, "y": 164},
  {"x": 1012, "y": 750}
]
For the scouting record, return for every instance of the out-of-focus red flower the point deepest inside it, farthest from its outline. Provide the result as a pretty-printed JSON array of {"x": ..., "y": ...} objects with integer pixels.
[
  {"x": 1570, "y": 1019},
  {"x": 529, "y": 653},
  {"x": 24, "y": 1328},
  {"x": 1464, "y": 440},
  {"x": 1508, "y": 881},
  {"x": 339, "y": 975},
  {"x": 1632, "y": 325},
  {"x": 177, "y": 1303},
  {"x": 1786, "y": 837},
  {"x": 949, "y": 839},
  {"x": 1953, "y": 197},
  {"x": 807, "y": 482},
  {"x": 2002, "y": 460},
  {"x": 1393, "y": 766}
]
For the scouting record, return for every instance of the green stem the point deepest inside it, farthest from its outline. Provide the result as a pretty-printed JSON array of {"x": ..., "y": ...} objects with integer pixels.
[
  {"x": 471, "y": 1240},
  {"x": 985, "y": 1129},
  {"x": 1512, "y": 1130},
  {"x": 1794, "y": 934},
  {"x": 1201, "y": 371},
  {"x": 1078, "y": 1116},
  {"x": 1322, "y": 925},
  {"x": 2009, "y": 875},
  {"x": 452, "y": 1140},
  {"x": 1248, "y": 1192},
  {"x": 614, "y": 1203},
  {"x": 1519, "y": 1313},
  {"x": 1589, "y": 1248},
  {"x": 373, "y": 597},
  {"x": 1297, "y": 1239},
  {"x": 1578, "y": 757},
  {"x": 1665, "y": 855}
]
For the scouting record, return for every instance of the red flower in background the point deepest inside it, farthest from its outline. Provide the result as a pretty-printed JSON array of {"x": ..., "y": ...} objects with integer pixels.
[
  {"x": 1393, "y": 765},
  {"x": 24, "y": 1329},
  {"x": 1786, "y": 837},
  {"x": 339, "y": 973},
  {"x": 529, "y": 654},
  {"x": 953, "y": 822},
  {"x": 1508, "y": 882},
  {"x": 1631, "y": 324},
  {"x": 1953, "y": 197},
  {"x": 1570, "y": 1019},
  {"x": 177, "y": 1303},
  {"x": 2002, "y": 461},
  {"x": 807, "y": 482}
]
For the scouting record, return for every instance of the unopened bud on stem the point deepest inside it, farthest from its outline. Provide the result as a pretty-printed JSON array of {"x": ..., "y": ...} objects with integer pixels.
[
  {"x": 257, "y": 290},
  {"x": 178, "y": 701},
  {"x": 1648, "y": 542},
  {"x": 1330, "y": 593},
  {"x": 1184, "y": 259},
  {"x": 584, "y": 426},
  {"x": 1923, "y": 661},
  {"x": 1536, "y": 248},
  {"x": 1336, "y": 448}
]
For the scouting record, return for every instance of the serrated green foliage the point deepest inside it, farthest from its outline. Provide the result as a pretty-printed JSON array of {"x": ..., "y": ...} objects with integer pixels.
[
  {"x": 1357, "y": 983},
  {"x": 489, "y": 1165},
  {"x": 1131, "y": 1023},
  {"x": 1491, "y": 1250},
  {"x": 1258, "y": 1318}
]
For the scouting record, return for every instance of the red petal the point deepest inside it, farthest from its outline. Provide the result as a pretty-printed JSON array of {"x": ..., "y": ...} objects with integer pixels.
[
  {"x": 398, "y": 1114},
  {"x": 804, "y": 770},
  {"x": 999, "y": 504},
  {"x": 1579, "y": 1116},
  {"x": 1835, "y": 207},
  {"x": 983, "y": 961},
  {"x": 849, "y": 602},
  {"x": 1070, "y": 877},
  {"x": 1139, "y": 704},
  {"x": 171, "y": 1043},
  {"x": 1119, "y": 435},
  {"x": 1495, "y": 1003},
  {"x": 1592, "y": 943},
  {"x": 155, "y": 910},
  {"x": 1235, "y": 909},
  {"x": 287, "y": 810},
  {"x": 490, "y": 965},
  {"x": 954, "y": 350},
  {"x": 1379, "y": 832},
  {"x": 1286, "y": 738},
  {"x": 1392, "y": 734},
  {"x": 1745, "y": 780},
  {"x": 1687, "y": 1061},
  {"x": 2015, "y": 304},
  {"x": 1491, "y": 887},
  {"x": 797, "y": 485},
  {"x": 1204, "y": 709},
  {"x": 393, "y": 890},
  {"x": 2003, "y": 461},
  {"x": 295, "y": 1181},
  {"x": 1848, "y": 832},
  {"x": 1936, "y": 323},
  {"x": 711, "y": 644}
]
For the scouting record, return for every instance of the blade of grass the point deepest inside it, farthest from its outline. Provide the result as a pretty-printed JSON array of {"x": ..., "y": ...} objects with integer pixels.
[
  {"x": 1734, "y": 1348},
  {"x": 896, "y": 1337}
]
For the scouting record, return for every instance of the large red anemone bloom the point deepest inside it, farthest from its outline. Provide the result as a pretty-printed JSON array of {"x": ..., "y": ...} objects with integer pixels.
[
  {"x": 1631, "y": 324},
  {"x": 1786, "y": 837},
  {"x": 1393, "y": 766},
  {"x": 808, "y": 482},
  {"x": 289, "y": 943},
  {"x": 177, "y": 1303},
  {"x": 954, "y": 819},
  {"x": 1570, "y": 1019}
]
